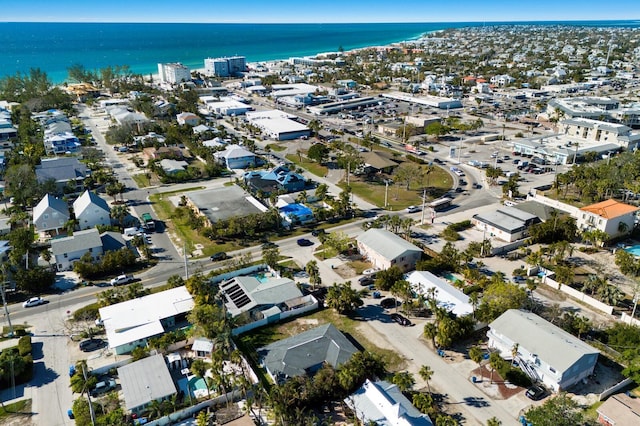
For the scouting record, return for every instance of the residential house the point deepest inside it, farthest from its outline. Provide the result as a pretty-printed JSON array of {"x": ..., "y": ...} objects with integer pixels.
[
  {"x": 188, "y": 118},
  {"x": 202, "y": 347},
  {"x": 173, "y": 166},
  {"x": 610, "y": 216},
  {"x": 446, "y": 295},
  {"x": 385, "y": 249},
  {"x": 383, "y": 404},
  {"x": 66, "y": 251},
  {"x": 112, "y": 241},
  {"x": 236, "y": 157},
  {"x": 257, "y": 300},
  {"x": 67, "y": 172},
  {"x": 91, "y": 210},
  {"x": 545, "y": 352},
  {"x": 276, "y": 180},
  {"x": 505, "y": 223},
  {"x": 50, "y": 216},
  {"x": 374, "y": 162},
  {"x": 131, "y": 324},
  {"x": 296, "y": 214},
  {"x": 61, "y": 143},
  {"x": 145, "y": 381},
  {"x": 306, "y": 353},
  {"x": 619, "y": 410}
]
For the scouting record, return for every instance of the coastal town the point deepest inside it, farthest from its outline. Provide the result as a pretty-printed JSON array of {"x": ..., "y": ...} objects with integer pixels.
[{"x": 441, "y": 231}]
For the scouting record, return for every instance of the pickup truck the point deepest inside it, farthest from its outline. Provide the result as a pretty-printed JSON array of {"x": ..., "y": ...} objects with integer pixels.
[{"x": 122, "y": 279}]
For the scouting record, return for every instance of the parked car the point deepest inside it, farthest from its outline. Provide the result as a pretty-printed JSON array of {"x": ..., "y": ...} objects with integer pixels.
[
  {"x": 122, "y": 279},
  {"x": 388, "y": 303},
  {"x": 366, "y": 280},
  {"x": 91, "y": 345},
  {"x": 216, "y": 257},
  {"x": 401, "y": 320},
  {"x": 303, "y": 242},
  {"x": 317, "y": 232},
  {"x": 413, "y": 209},
  {"x": 34, "y": 301},
  {"x": 103, "y": 387},
  {"x": 536, "y": 392}
]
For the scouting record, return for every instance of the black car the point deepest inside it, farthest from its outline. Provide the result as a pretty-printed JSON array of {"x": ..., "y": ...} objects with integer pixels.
[
  {"x": 403, "y": 321},
  {"x": 366, "y": 280},
  {"x": 303, "y": 242},
  {"x": 317, "y": 232},
  {"x": 91, "y": 345},
  {"x": 388, "y": 303},
  {"x": 218, "y": 256},
  {"x": 536, "y": 392}
]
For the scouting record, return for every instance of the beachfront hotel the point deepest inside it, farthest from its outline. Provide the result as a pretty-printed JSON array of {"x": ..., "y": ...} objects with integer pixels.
[
  {"x": 173, "y": 73},
  {"x": 225, "y": 67}
]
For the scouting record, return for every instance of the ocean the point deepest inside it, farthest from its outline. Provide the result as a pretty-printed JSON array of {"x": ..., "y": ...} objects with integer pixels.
[{"x": 54, "y": 47}]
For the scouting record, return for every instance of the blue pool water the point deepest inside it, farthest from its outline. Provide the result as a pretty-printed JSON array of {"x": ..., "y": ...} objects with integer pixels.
[
  {"x": 261, "y": 278},
  {"x": 634, "y": 250},
  {"x": 197, "y": 383}
]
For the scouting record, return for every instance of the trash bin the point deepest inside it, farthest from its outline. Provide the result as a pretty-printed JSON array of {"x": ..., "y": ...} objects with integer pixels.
[{"x": 473, "y": 379}]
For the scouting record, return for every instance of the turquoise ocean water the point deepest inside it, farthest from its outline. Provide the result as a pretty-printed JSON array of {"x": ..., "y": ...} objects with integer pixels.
[{"x": 53, "y": 47}]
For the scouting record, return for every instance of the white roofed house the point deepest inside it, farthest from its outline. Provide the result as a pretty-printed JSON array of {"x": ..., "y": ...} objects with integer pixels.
[
  {"x": 383, "y": 404},
  {"x": 145, "y": 381},
  {"x": 546, "y": 352},
  {"x": 66, "y": 251},
  {"x": 255, "y": 302},
  {"x": 50, "y": 216},
  {"x": 188, "y": 118},
  {"x": 446, "y": 295},
  {"x": 131, "y": 324},
  {"x": 236, "y": 157},
  {"x": 91, "y": 210},
  {"x": 385, "y": 249}
]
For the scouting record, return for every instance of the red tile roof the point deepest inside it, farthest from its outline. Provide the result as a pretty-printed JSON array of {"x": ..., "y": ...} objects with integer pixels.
[{"x": 609, "y": 209}]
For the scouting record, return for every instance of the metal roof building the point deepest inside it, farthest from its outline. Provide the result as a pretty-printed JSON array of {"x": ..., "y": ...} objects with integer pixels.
[
  {"x": 145, "y": 381},
  {"x": 546, "y": 352},
  {"x": 385, "y": 249}
]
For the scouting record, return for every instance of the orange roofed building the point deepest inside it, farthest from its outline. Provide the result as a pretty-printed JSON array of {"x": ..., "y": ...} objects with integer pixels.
[{"x": 611, "y": 216}]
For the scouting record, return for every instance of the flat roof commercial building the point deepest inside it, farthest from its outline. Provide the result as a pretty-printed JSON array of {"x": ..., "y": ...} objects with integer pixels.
[{"x": 278, "y": 125}]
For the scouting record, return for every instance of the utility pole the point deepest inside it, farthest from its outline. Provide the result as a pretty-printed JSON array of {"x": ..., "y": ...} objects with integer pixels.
[
  {"x": 424, "y": 198},
  {"x": 91, "y": 412},
  {"x": 4, "y": 299},
  {"x": 186, "y": 264},
  {"x": 386, "y": 192}
]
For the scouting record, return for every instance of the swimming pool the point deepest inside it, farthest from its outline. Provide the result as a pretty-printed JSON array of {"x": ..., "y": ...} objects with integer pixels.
[
  {"x": 634, "y": 250},
  {"x": 262, "y": 278},
  {"x": 450, "y": 277},
  {"x": 197, "y": 383}
]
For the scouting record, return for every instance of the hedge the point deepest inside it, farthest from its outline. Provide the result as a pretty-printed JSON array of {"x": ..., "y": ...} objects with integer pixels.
[
  {"x": 24, "y": 345},
  {"x": 89, "y": 312}
]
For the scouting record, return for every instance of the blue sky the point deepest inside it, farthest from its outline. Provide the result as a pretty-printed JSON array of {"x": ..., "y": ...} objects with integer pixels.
[{"x": 315, "y": 11}]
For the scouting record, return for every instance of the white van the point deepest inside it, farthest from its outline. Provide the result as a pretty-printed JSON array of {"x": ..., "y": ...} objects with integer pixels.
[
  {"x": 130, "y": 232},
  {"x": 510, "y": 203}
]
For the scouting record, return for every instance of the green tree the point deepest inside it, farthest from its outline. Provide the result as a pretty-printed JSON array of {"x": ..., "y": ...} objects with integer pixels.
[
  {"x": 560, "y": 410},
  {"x": 21, "y": 184},
  {"x": 199, "y": 369},
  {"x": 403, "y": 380},
  {"x": 318, "y": 152},
  {"x": 271, "y": 256},
  {"x": 314, "y": 273},
  {"x": 343, "y": 298},
  {"x": 477, "y": 355},
  {"x": 426, "y": 373},
  {"x": 387, "y": 278},
  {"x": 35, "y": 280},
  {"x": 498, "y": 298}
]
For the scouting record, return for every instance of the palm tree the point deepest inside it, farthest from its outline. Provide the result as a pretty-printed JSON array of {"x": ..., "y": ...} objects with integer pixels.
[
  {"x": 476, "y": 355},
  {"x": 120, "y": 212},
  {"x": 199, "y": 369},
  {"x": 314, "y": 273},
  {"x": 493, "y": 421},
  {"x": 426, "y": 373},
  {"x": 403, "y": 380},
  {"x": 514, "y": 353},
  {"x": 430, "y": 332}
]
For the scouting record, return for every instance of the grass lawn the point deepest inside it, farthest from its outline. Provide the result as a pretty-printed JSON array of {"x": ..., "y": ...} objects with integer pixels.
[
  {"x": 265, "y": 335},
  {"x": 398, "y": 197},
  {"x": 141, "y": 180},
  {"x": 276, "y": 147},
  {"x": 311, "y": 166},
  {"x": 359, "y": 266},
  {"x": 20, "y": 408}
]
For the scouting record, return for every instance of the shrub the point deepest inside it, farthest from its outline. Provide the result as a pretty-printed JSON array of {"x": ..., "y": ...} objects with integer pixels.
[
  {"x": 460, "y": 226},
  {"x": 24, "y": 345},
  {"x": 415, "y": 159},
  {"x": 471, "y": 289},
  {"x": 89, "y": 312},
  {"x": 450, "y": 235},
  {"x": 518, "y": 377}
]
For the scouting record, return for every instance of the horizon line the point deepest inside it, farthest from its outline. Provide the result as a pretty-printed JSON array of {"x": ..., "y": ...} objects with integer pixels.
[{"x": 323, "y": 23}]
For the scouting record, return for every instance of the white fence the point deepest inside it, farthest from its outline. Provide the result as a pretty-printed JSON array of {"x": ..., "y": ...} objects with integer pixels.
[
  {"x": 190, "y": 411},
  {"x": 576, "y": 294},
  {"x": 628, "y": 319},
  {"x": 238, "y": 272},
  {"x": 626, "y": 382}
]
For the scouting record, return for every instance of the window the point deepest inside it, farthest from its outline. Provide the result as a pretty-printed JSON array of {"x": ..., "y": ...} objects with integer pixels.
[
  {"x": 553, "y": 370},
  {"x": 46, "y": 216},
  {"x": 66, "y": 255}
]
